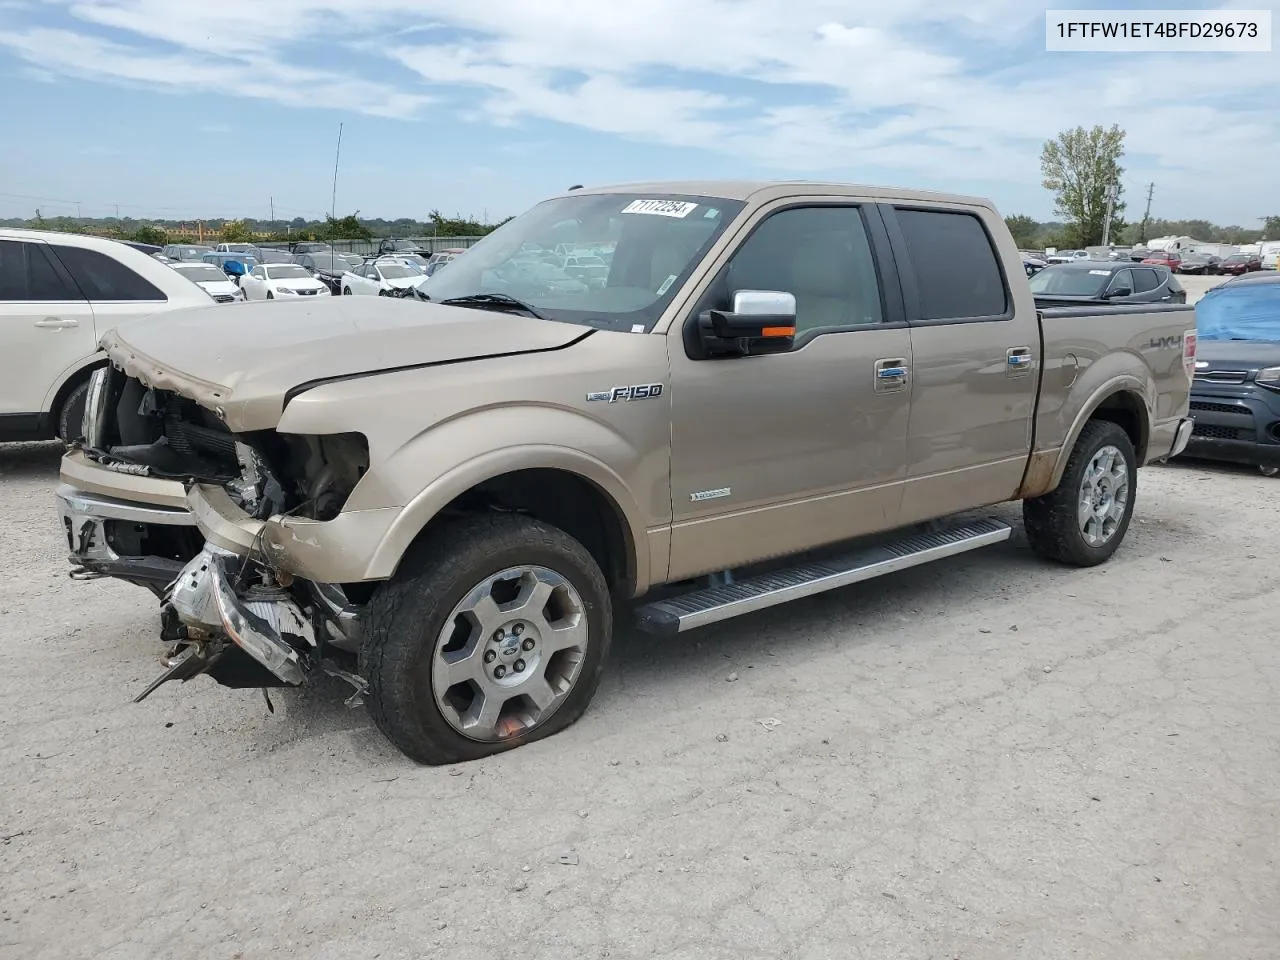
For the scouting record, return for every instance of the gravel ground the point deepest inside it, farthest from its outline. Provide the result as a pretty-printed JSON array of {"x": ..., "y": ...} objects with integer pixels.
[{"x": 987, "y": 758}]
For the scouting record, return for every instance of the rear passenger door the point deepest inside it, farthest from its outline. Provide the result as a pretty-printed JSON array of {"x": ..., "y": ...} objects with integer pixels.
[
  {"x": 116, "y": 292},
  {"x": 46, "y": 329},
  {"x": 975, "y": 354}
]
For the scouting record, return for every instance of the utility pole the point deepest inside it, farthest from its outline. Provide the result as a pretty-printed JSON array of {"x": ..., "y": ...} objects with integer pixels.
[
  {"x": 1146, "y": 217},
  {"x": 273, "y": 209},
  {"x": 117, "y": 211},
  {"x": 1112, "y": 192},
  {"x": 333, "y": 202}
]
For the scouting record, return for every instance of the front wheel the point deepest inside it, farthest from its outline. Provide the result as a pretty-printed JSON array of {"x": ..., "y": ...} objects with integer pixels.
[
  {"x": 270, "y": 295},
  {"x": 493, "y": 633},
  {"x": 1083, "y": 521},
  {"x": 1268, "y": 471}
]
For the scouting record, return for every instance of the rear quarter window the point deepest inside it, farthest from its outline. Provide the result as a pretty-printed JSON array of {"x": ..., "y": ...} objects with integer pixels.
[
  {"x": 101, "y": 277},
  {"x": 956, "y": 267}
]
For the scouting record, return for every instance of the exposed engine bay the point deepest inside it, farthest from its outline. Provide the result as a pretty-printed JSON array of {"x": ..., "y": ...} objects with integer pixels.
[
  {"x": 134, "y": 429},
  {"x": 234, "y": 616}
]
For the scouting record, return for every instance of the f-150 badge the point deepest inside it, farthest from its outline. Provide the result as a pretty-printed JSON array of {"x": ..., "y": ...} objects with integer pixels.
[{"x": 639, "y": 391}]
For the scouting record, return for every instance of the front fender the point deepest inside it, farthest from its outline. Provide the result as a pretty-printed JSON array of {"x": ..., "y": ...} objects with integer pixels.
[
  {"x": 445, "y": 461},
  {"x": 448, "y": 487}
]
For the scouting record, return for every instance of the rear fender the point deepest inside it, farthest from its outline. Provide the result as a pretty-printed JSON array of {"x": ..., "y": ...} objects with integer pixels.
[{"x": 1143, "y": 393}]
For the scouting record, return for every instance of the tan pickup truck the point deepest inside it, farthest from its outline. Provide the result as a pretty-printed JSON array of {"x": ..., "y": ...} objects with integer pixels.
[{"x": 778, "y": 389}]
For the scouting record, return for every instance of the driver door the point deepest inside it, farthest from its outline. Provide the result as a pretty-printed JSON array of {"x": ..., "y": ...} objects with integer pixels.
[{"x": 782, "y": 452}]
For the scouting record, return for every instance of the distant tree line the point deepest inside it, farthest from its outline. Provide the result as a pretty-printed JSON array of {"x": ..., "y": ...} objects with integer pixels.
[
  {"x": 1031, "y": 234},
  {"x": 248, "y": 229}
]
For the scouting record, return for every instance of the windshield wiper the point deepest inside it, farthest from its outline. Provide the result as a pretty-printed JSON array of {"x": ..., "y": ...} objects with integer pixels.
[{"x": 493, "y": 301}]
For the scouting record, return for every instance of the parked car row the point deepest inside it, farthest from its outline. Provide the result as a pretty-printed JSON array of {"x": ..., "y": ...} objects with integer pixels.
[{"x": 1105, "y": 281}]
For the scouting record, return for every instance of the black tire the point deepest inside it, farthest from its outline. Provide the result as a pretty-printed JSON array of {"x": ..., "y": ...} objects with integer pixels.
[
  {"x": 407, "y": 614},
  {"x": 1052, "y": 521},
  {"x": 346, "y": 291},
  {"x": 71, "y": 413},
  {"x": 270, "y": 295}
]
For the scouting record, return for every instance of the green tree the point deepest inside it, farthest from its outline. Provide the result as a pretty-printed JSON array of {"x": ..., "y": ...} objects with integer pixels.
[
  {"x": 1271, "y": 228},
  {"x": 1079, "y": 167},
  {"x": 235, "y": 231},
  {"x": 153, "y": 235},
  {"x": 1024, "y": 229},
  {"x": 345, "y": 228}
]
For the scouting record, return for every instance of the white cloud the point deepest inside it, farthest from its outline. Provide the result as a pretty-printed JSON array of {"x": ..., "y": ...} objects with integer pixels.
[{"x": 940, "y": 93}]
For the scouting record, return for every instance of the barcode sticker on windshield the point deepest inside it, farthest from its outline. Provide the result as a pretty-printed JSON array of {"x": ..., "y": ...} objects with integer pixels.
[
  {"x": 666, "y": 284},
  {"x": 1099, "y": 273},
  {"x": 661, "y": 208}
]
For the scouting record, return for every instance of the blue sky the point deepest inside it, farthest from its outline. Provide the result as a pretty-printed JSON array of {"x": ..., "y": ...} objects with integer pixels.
[{"x": 215, "y": 109}]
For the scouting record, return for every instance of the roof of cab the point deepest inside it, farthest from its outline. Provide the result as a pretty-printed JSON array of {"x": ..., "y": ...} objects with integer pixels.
[{"x": 764, "y": 190}]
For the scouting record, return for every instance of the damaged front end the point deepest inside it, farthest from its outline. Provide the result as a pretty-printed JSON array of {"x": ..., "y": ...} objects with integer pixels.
[
  {"x": 231, "y": 612},
  {"x": 235, "y": 620}
]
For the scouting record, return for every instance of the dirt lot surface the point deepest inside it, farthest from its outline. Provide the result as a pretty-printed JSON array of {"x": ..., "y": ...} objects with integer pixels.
[{"x": 991, "y": 758}]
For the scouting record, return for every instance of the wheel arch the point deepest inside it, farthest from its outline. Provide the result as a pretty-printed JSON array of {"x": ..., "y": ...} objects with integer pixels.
[
  {"x": 1120, "y": 401},
  {"x": 70, "y": 378},
  {"x": 565, "y": 488}
]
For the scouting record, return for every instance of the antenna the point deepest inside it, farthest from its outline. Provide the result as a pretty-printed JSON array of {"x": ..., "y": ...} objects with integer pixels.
[{"x": 333, "y": 202}]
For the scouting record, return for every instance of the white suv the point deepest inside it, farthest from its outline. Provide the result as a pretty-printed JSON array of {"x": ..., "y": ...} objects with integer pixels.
[{"x": 59, "y": 293}]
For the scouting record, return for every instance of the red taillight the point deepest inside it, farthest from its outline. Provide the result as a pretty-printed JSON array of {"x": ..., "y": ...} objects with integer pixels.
[{"x": 1189, "y": 352}]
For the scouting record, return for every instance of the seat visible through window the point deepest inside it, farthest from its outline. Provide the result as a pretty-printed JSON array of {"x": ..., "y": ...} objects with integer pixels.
[{"x": 822, "y": 256}]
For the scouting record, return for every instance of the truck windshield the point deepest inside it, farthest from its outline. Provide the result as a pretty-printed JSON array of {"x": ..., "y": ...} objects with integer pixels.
[
  {"x": 1070, "y": 282},
  {"x": 656, "y": 241}
]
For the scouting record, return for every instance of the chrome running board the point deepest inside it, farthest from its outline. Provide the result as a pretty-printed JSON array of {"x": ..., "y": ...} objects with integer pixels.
[{"x": 701, "y": 607}]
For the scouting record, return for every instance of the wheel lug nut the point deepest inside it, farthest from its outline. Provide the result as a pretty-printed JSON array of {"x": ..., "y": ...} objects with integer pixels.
[
  {"x": 490, "y": 656},
  {"x": 518, "y": 629},
  {"x": 528, "y": 643},
  {"x": 497, "y": 636},
  {"x": 519, "y": 666},
  {"x": 499, "y": 672}
]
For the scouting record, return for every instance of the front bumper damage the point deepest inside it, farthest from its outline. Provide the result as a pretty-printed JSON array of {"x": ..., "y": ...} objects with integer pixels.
[{"x": 230, "y": 618}]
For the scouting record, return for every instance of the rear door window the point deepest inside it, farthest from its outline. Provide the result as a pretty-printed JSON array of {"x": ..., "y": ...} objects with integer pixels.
[
  {"x": 956, "y": 268},
  {"x": 104, "y": 278},
  {"x": 28, "y": 274},
  {"x": 1145, "y": 280}
]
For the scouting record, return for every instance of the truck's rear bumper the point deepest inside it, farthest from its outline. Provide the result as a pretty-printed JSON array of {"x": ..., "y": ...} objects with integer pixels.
[{"x": 1169, "y": 439}]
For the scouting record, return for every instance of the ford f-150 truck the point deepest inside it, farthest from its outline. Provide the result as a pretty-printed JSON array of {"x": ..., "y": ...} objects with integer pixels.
[{"x": 779, "y": 389}]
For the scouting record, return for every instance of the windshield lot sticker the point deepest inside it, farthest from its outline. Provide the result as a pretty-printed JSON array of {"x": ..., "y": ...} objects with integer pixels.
[
  {"x": 1099, "y": 273},
  {"x": 666, "y": 284},
  {"x": 661, "y": 208}
]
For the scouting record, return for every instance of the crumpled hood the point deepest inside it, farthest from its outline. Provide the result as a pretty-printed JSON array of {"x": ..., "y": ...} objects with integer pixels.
[{"x": 242, "y": 362}]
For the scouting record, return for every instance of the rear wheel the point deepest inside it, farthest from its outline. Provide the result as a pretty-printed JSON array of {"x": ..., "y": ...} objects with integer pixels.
[
  {"x": 492, "y": 634},
  {"x": 1268, "y": 471},
  {"x": 71, "y": 413},
  {"x": 1084, "y": 520}
]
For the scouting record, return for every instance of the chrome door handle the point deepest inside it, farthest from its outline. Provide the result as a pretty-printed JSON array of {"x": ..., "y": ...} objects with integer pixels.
[
  {"x": 891, "y": 374},
  {"x": 56, "y": 323},
  {"x": 1018, "y": 360}
]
